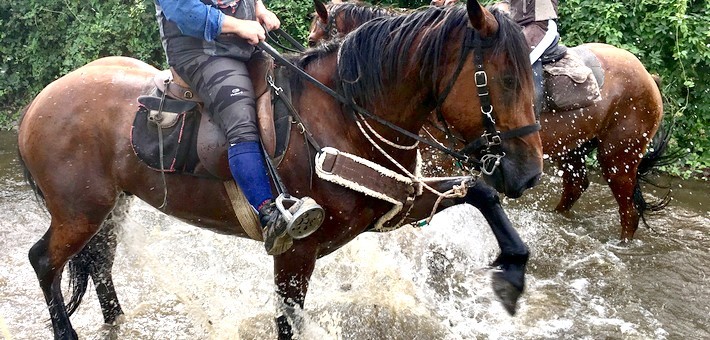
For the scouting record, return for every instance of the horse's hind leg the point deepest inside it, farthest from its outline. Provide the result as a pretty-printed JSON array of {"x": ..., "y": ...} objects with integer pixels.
[
  {"x": 95, "y": 260},
  {"x": 622, "y": 179},
  {"x": 67, "y": 235},
  {"x": 574, "y": 179},
  {"x": 101, "y": 274}
]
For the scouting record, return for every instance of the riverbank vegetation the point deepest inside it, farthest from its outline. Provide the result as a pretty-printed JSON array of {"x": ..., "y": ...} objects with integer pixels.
[{"x": 42, "y": 40}]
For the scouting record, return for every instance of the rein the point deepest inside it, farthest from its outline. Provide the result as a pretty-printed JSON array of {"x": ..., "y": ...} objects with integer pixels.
[{"x": 489, "y": 141}]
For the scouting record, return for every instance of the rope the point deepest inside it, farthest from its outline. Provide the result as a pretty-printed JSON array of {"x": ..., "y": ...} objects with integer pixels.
[
  {"x": 388, "y": 142},
  {"x": 456, "y": 191}
]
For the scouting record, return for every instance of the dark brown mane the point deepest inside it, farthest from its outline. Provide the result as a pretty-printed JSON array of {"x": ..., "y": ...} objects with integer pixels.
[
  {"x": 377, "y": 53},
  {"x": 353, "y": 14}
]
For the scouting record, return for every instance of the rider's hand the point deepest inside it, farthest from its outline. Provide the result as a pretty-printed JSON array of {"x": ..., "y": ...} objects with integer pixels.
[
  {"x": 249, "y": 30},
  {"x": 266, "y": 17}
]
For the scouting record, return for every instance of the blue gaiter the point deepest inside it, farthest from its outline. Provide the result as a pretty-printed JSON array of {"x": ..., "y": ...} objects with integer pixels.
[{"x": 249, "y": 171}]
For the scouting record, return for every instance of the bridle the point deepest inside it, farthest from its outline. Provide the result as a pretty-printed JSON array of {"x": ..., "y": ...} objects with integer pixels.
[{"x": 491, "y": 139}]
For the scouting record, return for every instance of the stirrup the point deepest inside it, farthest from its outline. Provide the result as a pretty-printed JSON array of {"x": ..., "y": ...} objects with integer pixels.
[{"x": 306, "y": 218}]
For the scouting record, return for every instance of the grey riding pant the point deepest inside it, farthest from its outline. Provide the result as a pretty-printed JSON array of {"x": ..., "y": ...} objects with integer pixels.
[{"x": 225, "y": 87}]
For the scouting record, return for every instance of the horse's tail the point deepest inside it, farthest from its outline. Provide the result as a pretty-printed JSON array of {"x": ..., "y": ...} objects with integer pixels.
[
  {"x": 657, "y": 156},
  {"x": 25, "y": 171},
  {"x": 79, "y": 270}
]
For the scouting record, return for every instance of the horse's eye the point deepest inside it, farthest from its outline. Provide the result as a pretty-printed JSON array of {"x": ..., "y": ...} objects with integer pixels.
[{"x": 509, "y": 83}]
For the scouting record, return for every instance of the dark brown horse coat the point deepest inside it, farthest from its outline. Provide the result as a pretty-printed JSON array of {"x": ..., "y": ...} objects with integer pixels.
[{"x": 73, "y": 141}]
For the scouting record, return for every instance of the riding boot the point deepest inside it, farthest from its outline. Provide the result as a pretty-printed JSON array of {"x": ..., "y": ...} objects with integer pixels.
[
  {"x": 249, "y": 171},
  {"x": 274, "y": 229},
  {"x": 303, "y": 216}
]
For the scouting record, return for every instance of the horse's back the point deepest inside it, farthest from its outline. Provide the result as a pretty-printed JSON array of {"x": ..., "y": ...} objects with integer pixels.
[
  {"x": 83, "y": 118},
  {"x": 628, "y": 82},
  {"x": 83, "y": 95}
]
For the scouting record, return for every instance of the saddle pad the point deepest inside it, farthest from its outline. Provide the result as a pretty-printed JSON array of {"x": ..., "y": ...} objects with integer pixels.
[{"x": 179, "y": 149}]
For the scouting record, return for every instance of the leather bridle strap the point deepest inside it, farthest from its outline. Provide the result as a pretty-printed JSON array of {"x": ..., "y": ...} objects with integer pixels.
[
  {"x": 270, "y": 50},
  {"x": 491, "y": 138}
]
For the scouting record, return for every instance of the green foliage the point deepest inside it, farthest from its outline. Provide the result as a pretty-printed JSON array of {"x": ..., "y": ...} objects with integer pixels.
[
  {"x": 42, "y": 40},
  {"x": 672, "y": 39},
  {"x": 295, "y": 16}
]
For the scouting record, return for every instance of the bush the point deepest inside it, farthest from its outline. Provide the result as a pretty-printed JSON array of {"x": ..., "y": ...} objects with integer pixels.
[
  {"x": 42, "y": 40},
  {"x": 671, "y": 38}
]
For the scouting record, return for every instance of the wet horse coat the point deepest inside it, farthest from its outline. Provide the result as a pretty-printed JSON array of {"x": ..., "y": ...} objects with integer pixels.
[
  {"x": 89, "y": 162},
  {"x": 620, "y": 126}
]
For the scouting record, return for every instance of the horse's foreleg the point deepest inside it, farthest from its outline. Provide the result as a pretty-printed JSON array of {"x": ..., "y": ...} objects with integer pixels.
[
  {"x": 292, "y": 273},
  {"x": 509, "y": 282},
  {"x": 574, "y": 179}
]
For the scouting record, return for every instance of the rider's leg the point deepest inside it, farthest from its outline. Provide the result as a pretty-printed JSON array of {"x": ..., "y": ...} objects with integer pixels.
[
  {"x": 225, "y": 87},
  {"x": 538, "y": 83}
]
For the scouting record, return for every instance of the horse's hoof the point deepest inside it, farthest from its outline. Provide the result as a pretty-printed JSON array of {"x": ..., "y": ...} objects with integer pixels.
[{"x": 506, "y": 292}]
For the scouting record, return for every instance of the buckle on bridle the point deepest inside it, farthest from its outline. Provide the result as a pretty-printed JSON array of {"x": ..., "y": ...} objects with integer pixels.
[
  {"x": 481, "y": 78},
  {"x": 492, "y": 138}
]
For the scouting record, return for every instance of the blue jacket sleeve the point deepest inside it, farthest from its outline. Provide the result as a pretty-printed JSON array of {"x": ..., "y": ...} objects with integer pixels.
[{"x": 193, "y": 17}]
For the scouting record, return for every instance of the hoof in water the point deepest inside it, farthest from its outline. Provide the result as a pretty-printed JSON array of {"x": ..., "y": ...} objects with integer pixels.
[{"x": 506, "y": 292}]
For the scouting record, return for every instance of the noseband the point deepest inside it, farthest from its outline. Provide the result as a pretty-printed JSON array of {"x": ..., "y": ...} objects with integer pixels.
[{"x": 491, "y": 139}]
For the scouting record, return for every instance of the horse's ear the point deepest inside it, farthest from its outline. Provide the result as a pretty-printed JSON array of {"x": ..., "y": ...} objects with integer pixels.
[
  {"x": 481, "y": 19},
  {"x": 321, "y": 10}
]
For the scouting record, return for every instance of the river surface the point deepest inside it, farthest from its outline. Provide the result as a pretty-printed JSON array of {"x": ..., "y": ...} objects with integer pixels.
[{"x": 176, "y": 281}]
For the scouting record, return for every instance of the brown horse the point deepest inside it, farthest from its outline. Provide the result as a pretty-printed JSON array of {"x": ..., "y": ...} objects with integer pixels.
[
  {"x": 74, "y": 146},
  {"x": 620, "y": 126}
]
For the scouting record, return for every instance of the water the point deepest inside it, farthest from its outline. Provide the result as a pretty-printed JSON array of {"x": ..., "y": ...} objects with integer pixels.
[{"x": 179, "y": 282}]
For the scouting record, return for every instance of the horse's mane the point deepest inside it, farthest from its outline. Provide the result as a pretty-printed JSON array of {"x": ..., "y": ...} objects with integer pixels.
[
  {"x": 355, "y": 13},
  {"x": 376, "y": 54}
]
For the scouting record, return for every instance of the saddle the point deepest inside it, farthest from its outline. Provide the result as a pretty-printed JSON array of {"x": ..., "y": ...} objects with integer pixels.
[
  {"x": 572, "y": 78},
  {"x": 191, "y": 142}
]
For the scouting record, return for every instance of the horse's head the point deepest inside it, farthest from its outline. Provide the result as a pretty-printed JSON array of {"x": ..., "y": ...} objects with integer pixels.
[
  {"x": 469, "y": 65},
  {"x": 490, "y": 100},
  {"x": 322, "y": 26},
  {"x": 337, "y": 18}
]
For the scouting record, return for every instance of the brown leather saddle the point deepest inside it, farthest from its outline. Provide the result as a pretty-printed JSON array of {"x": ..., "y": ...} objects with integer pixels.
[
  {"x": 572, "y": 80},
  {"x": 191, "y": 142}
]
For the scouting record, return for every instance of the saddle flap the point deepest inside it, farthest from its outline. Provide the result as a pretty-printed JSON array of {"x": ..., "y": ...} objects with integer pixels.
[{"x": 260, "y": 67}]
